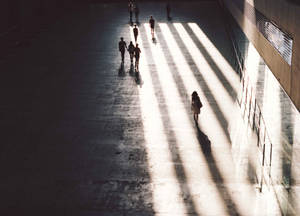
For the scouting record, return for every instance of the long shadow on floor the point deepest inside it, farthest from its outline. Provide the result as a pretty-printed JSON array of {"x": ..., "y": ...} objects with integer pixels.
[
  {"x": 223, "y": 80},
  {"x": 173, "y": 145},
  {"x": 231, "y": 207},
  {"x": 199, "y": 77}
]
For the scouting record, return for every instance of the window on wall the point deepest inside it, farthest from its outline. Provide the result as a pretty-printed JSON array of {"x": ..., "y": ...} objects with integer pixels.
[{"x": 279, "y": 39}]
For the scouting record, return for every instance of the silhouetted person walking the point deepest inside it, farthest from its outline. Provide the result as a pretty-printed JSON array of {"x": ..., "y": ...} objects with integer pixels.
[
  {"x": 131, "y": 51},
  {"x": 152, "y": 24},
  {"x": 136, "y": 13},
  {"x": 135, "y": 33},
  {"x": 122, "y": 48},
  {"x": 196, "y": 105},
  {"x": 137, "y": 52},
  {"x": 130, "y": 9},
  {"x": 168, "y": 7}
]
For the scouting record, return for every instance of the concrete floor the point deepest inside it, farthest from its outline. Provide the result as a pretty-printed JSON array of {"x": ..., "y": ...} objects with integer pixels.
[{"x": 85, "y": 136}]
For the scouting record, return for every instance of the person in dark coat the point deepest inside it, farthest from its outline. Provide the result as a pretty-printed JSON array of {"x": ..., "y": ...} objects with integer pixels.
[
  {"x": 136, "y": 13},
  {"x": 131, "y": 51},
  {"x": 135, "y": 33},
  {"x": 130, "y": 9},
  {"x": 168, "y": 7},
  {"x": 196, "y": 105},
  {"x": 122, "y": 48},
  {"x": 152, "y": 24},
  {"x": 137, "y": 52}
]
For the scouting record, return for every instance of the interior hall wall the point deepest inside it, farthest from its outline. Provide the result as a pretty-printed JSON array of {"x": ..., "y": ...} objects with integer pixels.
[{"x": 286, "y": 16}]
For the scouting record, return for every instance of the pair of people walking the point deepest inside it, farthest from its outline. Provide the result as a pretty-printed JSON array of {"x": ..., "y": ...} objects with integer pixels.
[
  {"x": 134, "y": 52},
  {"x": 133, "y": 8}
]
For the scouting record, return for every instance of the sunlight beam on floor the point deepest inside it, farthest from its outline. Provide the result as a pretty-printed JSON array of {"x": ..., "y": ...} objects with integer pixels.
[
  {"x": 166, "y": 190},
  {"x": 195, "y": 165},
  {"x": 217, "y": 89},
  {"x": 191, "y": 84},
  {"x": 231, "y": 76}
]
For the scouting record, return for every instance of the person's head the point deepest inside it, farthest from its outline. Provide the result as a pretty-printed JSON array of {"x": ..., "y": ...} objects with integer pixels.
[
  {"x": 130, "y": 42},
  {"x": 151, "y": 17},
  {"x": 137, "y": 45},
  {"x": 194, "y": 94},
  {"x": 134, "y": 25},
  {"x": 121, "y": 38}
]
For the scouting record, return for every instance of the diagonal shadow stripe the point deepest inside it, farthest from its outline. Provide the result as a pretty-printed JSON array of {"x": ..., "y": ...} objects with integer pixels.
[
  {"x": 251, "y": 167},
  {"x": 202, "y": 138},
  {"x": 172, "y": 142},
  {"x": 199, "y": 77},
  {"x": 223, "y": 80}
]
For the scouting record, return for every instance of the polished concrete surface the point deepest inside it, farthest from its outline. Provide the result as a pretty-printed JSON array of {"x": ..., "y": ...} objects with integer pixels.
[{"x": 85, "y": 135}]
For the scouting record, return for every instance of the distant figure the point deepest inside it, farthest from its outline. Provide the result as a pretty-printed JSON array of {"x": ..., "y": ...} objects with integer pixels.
[
  {"x": 130, "y": 9},
  {"x": 168, "y": 7},
  {"x": 137, "y": 52},
  {"x": 135, "y": 33},
  {"x": 136, "y": 13},
  {"x": 196, "y": 105},
  {"x": 152, "y": 23},
  {"x": 122, "y": 48},
  {"x": 131, "y": 51}
]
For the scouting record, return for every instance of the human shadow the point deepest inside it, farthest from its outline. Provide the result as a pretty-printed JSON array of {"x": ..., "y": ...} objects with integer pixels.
[
  {"x": 121, "y": 70},
  {"x": 205, "y": 144},
  {"x": 204, "y": 141},
  {"x": 131, "y": 70},
  {"x": 173, "y": 144},
  {"x": 200, "y": 79},
  {"x": 217, "y": 177},
  {"x": 138, "y": 78},
  {"x": 154, "y": 40}
]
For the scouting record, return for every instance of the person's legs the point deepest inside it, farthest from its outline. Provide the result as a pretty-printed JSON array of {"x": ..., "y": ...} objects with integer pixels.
[
  {"x": 135, "y": 37},
  {"x": 130, "y": 13},
  {"x": 137, "y": 63},
  {"x": 131, "y": 57},
  {"x": 122, "y": 55}
]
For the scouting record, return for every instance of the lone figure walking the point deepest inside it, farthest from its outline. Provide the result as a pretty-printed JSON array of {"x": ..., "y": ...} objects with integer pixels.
[
  {"x": 196, "y": 105},
  {"x": 122, "y": 48},
  {"x": 135, "y": 33},
  {"x": 137, "y": 52},
  {"x": 152, "y": 24},
  {"x": 168, "y": 7}
]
